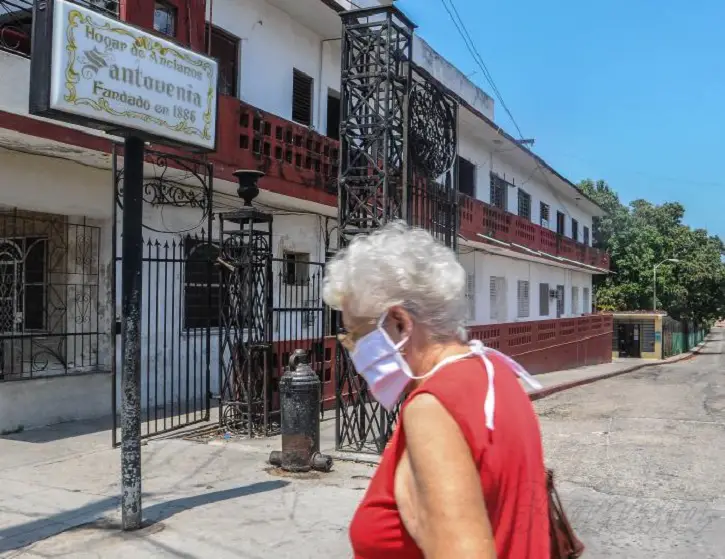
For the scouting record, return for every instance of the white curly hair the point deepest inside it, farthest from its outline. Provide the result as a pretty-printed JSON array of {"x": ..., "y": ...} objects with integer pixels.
[{"x": 400, "y": 265}]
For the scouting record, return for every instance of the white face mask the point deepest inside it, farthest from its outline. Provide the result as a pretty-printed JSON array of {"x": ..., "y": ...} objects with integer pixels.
[{"x": 379, "y": 361}]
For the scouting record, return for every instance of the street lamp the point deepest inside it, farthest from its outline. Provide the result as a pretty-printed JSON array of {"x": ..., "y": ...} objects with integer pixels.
[{"x": 654, "y": 282}]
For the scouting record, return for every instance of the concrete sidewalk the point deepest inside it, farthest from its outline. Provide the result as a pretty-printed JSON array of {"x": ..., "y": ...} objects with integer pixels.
[
  {"x": 572, "y": 378},
  {"x": 59, "y": 493},
  {"x": 199, "y": 501}
]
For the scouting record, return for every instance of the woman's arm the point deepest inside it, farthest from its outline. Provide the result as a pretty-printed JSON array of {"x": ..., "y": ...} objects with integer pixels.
[{"x": 438, "y": 488}]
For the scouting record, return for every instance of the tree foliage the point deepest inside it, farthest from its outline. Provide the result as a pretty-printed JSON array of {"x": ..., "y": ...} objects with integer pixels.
[{"x": 642, "y": 235}]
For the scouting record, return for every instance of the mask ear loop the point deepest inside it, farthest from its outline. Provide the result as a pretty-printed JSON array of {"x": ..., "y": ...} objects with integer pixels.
[
  {"x": 406, "y": 369},
  {"x": 489, "y": 405}
]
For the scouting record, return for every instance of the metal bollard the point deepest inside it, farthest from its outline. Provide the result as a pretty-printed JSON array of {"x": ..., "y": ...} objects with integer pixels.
[{"x": 299, "y": 390}]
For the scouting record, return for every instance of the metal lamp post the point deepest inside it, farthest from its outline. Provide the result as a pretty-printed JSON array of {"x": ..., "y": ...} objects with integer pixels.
[{"x": 654, "y": 281}]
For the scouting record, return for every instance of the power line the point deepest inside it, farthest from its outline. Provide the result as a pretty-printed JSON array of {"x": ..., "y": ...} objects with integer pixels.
[{"x": 477, "y": 58}]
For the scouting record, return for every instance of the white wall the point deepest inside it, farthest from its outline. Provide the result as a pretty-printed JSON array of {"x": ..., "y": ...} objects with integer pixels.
[
  {"x": 36, "y": 403},
  {"x": 270, "y": 50},
  {"x": 486, "y": 265},
  {"x": 51, "y": 185},
  {"x": 445, "y": 72}
]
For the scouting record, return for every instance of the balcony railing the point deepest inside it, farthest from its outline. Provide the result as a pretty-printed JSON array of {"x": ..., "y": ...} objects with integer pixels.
[
  {"x": 16, "y": 22},
  {"x": 290, "y": 154},
  {"x": 478, "y": 218}
]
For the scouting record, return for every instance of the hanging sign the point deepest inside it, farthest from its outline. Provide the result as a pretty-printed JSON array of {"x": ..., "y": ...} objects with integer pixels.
[{"x": 93, "y": 70}]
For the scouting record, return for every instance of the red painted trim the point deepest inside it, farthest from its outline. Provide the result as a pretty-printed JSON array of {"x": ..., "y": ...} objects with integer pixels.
[
  {"x": 52, "y": 131},
  {"x": 59, "y": 133}
]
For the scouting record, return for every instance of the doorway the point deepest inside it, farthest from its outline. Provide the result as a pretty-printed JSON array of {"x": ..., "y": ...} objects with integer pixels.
[{"x": 629, "y": 340}]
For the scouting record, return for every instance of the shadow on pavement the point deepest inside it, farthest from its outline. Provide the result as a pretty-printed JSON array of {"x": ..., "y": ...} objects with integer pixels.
[
  {"x": 62, "y": 431},
  {"x": 21, "y": 535}
]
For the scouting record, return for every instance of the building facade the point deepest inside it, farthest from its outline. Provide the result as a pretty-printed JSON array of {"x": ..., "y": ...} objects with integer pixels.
[{"x": 524, "y": 230}]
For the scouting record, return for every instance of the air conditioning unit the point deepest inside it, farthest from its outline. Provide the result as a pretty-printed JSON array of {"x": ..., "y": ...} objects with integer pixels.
[
  {"x": 545, "y": 223},
  {"x": 553, "y": 293}
]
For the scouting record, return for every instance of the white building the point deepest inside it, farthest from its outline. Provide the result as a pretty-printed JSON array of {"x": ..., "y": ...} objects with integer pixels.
[{"x": 279, "y": 109}]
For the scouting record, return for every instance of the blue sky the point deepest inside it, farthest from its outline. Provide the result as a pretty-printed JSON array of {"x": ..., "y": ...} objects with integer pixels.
[{"x": 632, "y": 92}]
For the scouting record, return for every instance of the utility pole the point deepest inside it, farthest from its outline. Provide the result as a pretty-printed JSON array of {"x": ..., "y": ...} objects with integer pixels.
[
  {"x": 654, "y": 281},
  {"x": 131, "y": 294}
]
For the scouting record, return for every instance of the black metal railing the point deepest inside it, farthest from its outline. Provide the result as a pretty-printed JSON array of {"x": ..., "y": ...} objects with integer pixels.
[
  {"x": 299, "y": 318},
  {"x": 16, "y": 22},
  {"x": 179, "y": 311},
  {"x": 50, "y": 306}
]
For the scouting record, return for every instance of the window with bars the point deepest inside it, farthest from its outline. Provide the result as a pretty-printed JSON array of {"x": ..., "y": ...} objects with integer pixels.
[
  {"x": 199, "y": 278},
  {"x": 333, "y": 114},
  {"x": 575, "y": 300},
  {"x": 499, "y": 193},
  {"x": 543, "y": 299},
  {"x": 575, "y": 229},
  {"x": 23, "y": 284},
  {"x": 560, "y": 223},
  {"x": 560, "y": 301},
  {"x": 302, "y": 98},
  {"x": 165, "y": 17},
  {"x": 522, "y": 299},
  {"x": 225, "y": 48},
  {"x": 524, "y": 204},
  {"x": 296, "y": 268},
  {"x": 587, "y": 302},
  {"x": 586, "y": 235},
  {"x": 498, "y": 298},
  {"x": 471, "y": 296},
  {"x": 545, "y": 212},
  {"x": 466, "y": 177}
]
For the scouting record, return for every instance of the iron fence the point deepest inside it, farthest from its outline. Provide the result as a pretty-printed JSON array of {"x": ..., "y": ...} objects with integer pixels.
[
  {"x": 51, "y": 319},
  {"x": 16, "y": 22},
  {"x": 179, "y": 309},
  {"x": 299, "y": 319},
  {"x": 679, "y": 336}
]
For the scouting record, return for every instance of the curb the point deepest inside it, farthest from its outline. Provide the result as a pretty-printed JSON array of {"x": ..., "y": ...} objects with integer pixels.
[{"x": 544, "y": 392}]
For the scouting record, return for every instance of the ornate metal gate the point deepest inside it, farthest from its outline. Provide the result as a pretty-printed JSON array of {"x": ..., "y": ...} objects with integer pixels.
[
  {"x": 270, "y": 307},
  {"x": 180, "y": 292},
  {"x": 398, "y": 153},
  {"x": 246, "y": 334}
]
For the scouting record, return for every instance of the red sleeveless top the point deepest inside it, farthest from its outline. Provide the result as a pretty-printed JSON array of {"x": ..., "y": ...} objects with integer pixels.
[{"x": 509, "y": 458}]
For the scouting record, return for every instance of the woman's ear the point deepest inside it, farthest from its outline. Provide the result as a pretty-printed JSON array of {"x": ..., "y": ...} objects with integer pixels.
[{"x": 401, "y": 321}]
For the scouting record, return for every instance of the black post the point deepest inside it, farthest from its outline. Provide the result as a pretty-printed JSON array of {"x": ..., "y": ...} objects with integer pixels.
[{"x": 131, "y": 267}]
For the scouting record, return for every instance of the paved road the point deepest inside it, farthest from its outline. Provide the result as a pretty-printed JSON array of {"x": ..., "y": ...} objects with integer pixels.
[{"x": 641, "y": 459}]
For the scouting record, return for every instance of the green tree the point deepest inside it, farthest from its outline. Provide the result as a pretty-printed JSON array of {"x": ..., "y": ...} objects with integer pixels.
[{"x": 642, "y": 235}]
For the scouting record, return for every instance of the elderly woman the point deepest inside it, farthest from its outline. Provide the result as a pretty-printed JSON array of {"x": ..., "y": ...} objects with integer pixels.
[{"x": 463, "y": 476}]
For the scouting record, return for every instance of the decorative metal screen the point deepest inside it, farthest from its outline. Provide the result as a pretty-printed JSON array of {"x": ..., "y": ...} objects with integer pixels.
[
  {"x": 51, "y": 314},
  {"x": 522, "y": 299},
  {"x": 497, "y": 289},
  {"x": 543, "y": 299},
  {"x": 398, "y": 153}
]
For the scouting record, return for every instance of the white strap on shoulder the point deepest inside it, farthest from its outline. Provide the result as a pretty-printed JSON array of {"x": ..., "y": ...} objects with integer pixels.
[{"x": 489, "y": 405}]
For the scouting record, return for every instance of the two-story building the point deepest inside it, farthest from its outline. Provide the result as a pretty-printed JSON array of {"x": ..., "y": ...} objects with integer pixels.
[{"x": 524, "y": 229}]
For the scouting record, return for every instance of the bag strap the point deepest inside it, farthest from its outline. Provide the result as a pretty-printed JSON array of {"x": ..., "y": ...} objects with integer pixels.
[{"x": 559, "y": 525}]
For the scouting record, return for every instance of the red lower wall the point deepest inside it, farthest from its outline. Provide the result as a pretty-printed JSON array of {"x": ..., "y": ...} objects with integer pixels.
[
  {"x": 544, "y": 346},
  {"x": 540, "y": 346}
]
